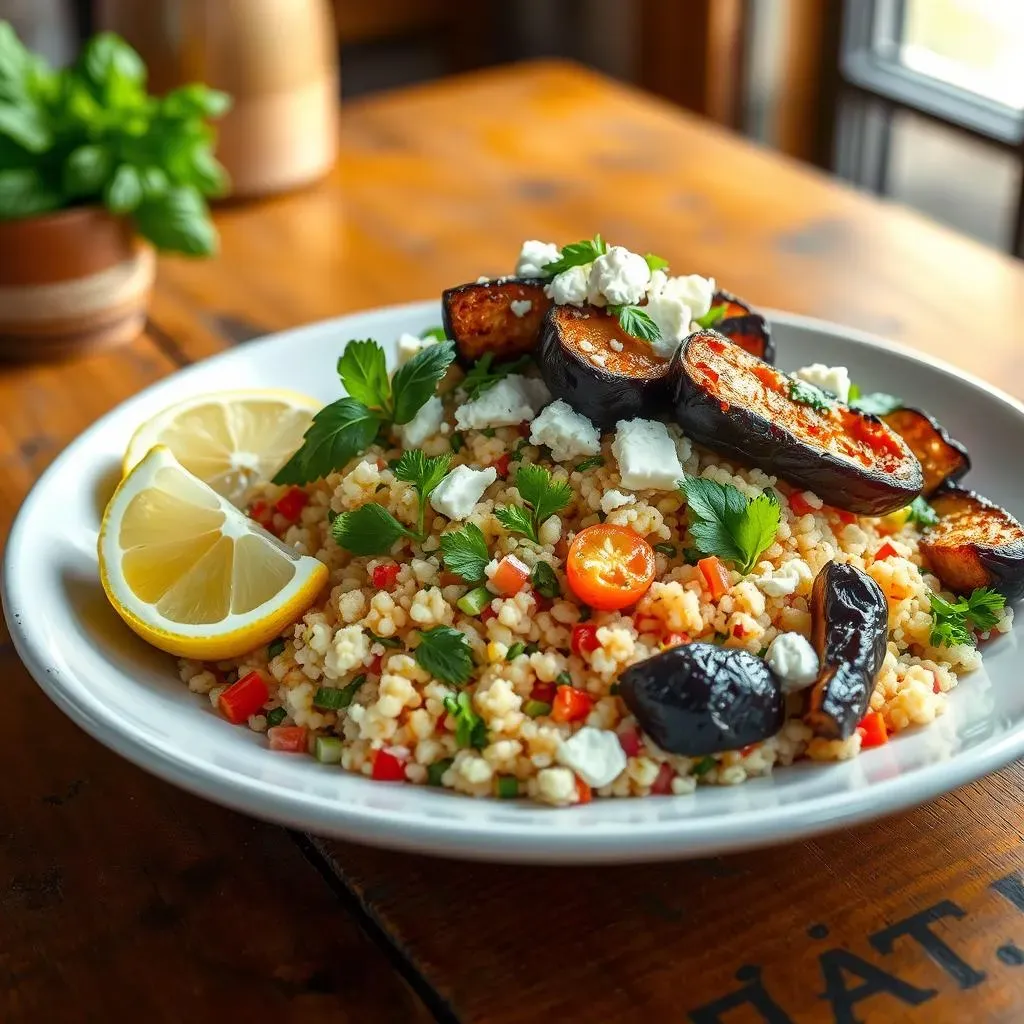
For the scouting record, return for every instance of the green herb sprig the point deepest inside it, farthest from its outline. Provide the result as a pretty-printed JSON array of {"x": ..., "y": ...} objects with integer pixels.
[
  {"x": 465, "y": 553},
  {"x": 637, "y": 322},
  {"x": 542, "y": 496},
  {"x": 576, "y": 254},
  {"x": 810, "y": 395},
  {"x": 953, "y": 621},
  {"x": 715, "y": 315},
  {"x": 470, "y": 730},
  {"x": 483, "y": 376},
  {"x": 921, "y": 514},
  {"x": 445, "y": 653}
]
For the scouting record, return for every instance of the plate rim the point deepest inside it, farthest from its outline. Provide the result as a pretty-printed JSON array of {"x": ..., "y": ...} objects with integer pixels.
[{"x": 464, "y": 839}]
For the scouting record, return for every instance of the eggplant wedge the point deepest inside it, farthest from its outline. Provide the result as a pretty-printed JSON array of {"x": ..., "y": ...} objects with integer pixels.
[
  {"x": 849, "y": 629},
  {"x": 975, "y": 544},
  {"x": 942, "y": 459},
  {"x": 743, "y": 327},
  {"x": 588, "y": 360},
  {"x": 744, "y": 408},
  {"x": 481, "y": 317},
  {"x": 701, "y": 699}
]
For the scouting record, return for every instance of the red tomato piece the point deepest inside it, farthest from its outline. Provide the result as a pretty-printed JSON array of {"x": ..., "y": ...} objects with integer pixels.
[
  {"x": 885, "y": 551},
  {"x": 844, "y": 516},
  {"x": 510, "y": 576},
  {"x": 675, "y": 639},
  {"x": 584, "y": 639},
  {"x": 387, "y": 767},
  {"x": 629, "y": 740},
  {"x": 375, "y": 665},
  {"x": 662, "y": 785},
  {"x": 873, "y": 732},
  {"x": 716, "y": 576},
  {"x": 799, "y": 504},
  {"x": 543, "y": 603},
  {"x": 571, "y": 705},
  {"x": 543, "y": 692},
  {"x": 289, "y": 739},
  {"x": 291, "y": 503},
  {"x": 262, "y": 513},
  {"x": 609, "y": 567},
  {"x": 501, "y": 464},
  {"x": 584, "y": 794},
  {"x": 244, "y": 698},
  {"x": 487, "y": 614},
  {"x": 384, "y": 576}
]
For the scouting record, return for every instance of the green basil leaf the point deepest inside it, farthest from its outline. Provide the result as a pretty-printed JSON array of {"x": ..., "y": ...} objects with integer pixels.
[
  {"x": 23, "y": 193},
  {"x": 338, "y": 433},
  {"x": 107, "y": 58},
  {"x": 415, "y": 382},
  {"x": 26, "y": 126},
  {"x": 178, "y": 221},
  {"x": 87, "y": 169},
  {"x": 195, "y": 100},
  {"x": 124, "y": 191}
]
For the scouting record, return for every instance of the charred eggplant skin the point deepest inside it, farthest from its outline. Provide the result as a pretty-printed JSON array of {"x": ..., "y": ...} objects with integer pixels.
[
  {"x": 943, "y": 459},
  {"x": 756, "y": 436},
  {"x": 849, "y": 626},
  {"x": 745, "y": 327},
  {"x": 602, "y": 396},
  {"x": 478, "y": 317},
  {"x": 976, "y": 543},
  {"x": 701, "y": 699}
]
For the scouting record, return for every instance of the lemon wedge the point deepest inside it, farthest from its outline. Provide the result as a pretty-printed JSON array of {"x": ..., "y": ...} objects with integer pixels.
[
  {"x": 229, "y": 439},
  {"x": 193, "y": 575}
]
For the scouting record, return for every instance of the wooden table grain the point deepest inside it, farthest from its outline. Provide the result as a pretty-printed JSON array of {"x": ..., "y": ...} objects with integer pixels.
[{"x": 120, "y": 896}]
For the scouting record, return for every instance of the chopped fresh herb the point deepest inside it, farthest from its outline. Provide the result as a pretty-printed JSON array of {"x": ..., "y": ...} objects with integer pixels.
[
  {"x": 704, "y": 765},
  {"x": 363, "y": 370},
  {"x": 445, "y": 653},
  {"x": 655, "y": 262},
  {"x": 921, "y": 514},
  {"x": 544, "y": 581},
  {"x": 563, "y": 679},
  {"x": 369, "y": 530},
  {"x": 516, "y": 519},
  {"x": 725, "y": 523},
  {"x": 483, "y": 376},
  {"x": 532, "y": 648},
  {"x": 808, "y": 394},
  {"x": 393, "y": 464},
  {"x": 437, "y": 333},
  {"x": 385, "y": 641},
  {"x": 713, "y": 316},
  {"x": 594, "y": 462},
  {"x": 415, "y": 382},
  {"x": 576, "y": 254},
  {"x": 543, "y": 497},
  {"x": 275, "y": 716},
  {"x": 328, "y": 749},
  {"x": 456, "y": 441},
  {"x": 470, "y": 730},
  {"x": 424, "y": 472},
  {"x": 636, "y": 321},
  {"x": 507, "y": 787},
  {"x": 877, "y": 403},
  {"x": 332, "y": 515},
  {"x": 953, "y": 621},
  {"x": 334, "y": 698},
  {"x": 464, "y": 552},
  {"x": 435, "y": 772},
  {"x": 586, "y": 613},
  {"x": 666, "y": 549},
  {"x": 276, "y": 648},
  {"x": 852, "y": 395},
  {"x": 614, "y": 689},
  {"x": 536, "y": 708},
  {"x": 515, "y": 650},
  {"x": 601, "y": 515},
  {"x": 475, "y": 601},
  {"x": 691, "y": 556}
]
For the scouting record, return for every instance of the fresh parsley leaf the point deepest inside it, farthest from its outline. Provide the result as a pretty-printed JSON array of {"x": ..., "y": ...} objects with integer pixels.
[
  {"x": 808, "y": 394},
  {"x": 482, "y": 376},
  {"x": 636, "y": 321},
  {"x": 544, "y": 581},
  {"x": 877, "y": 403},
  {"x": 465, "y": 553},
  {"x": 369, "y": 530},
  {"x": 363, "y": 370},
  {"x": 952, "y": 621},
  {"x": 592, "y": 463},
  {"x": 437, "y": 333},
  {"x": 655, "y": 262},
  {"x": 516, "y": 519},
  {"x": 424, "y": 472},
  {"x": 415, "y": 382},
  {"x": 576, "y": 254},
  {"x": 470, "y": 730},
  {"x": 921, "y": 514},
  {"x": 713, "y": 316},
  {"x": 541, "y": 492},
  {"x": 445, "y": 653},
  {"x": 725, "y": 523},
  {"x": 984, "y": 607},
  {"x": 338, "y": 433}
]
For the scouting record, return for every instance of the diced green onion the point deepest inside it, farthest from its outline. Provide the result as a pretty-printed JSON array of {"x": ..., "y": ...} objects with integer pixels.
[
  {"x": 335, "y": 699},
  {"x": 563, "y": 679},
  {"x": 507, "y": 787},
  {"x": 276, "y": 648},
  {"x": 515, "y": 650},
  {"x": 666, "y": 549},
  {"x": 592, "y": 463},
  {"x": 475, "y": 601},
  {"x": 532, "y": 648},
  {"x": 586, "y": 613},
  {"x": 704, "y": 765},
  {"x": 436, "y": 771},
  {"x": 537, "y": 708},
  {"x": 328, "y": 749},
  {"x": 385, "y": 641},
  {"x": 456, "y": 441},
  {"x": 275, "y": 717}
]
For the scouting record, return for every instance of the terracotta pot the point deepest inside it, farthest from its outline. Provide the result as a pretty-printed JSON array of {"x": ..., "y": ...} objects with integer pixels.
[{"x": 69, "y": 282}]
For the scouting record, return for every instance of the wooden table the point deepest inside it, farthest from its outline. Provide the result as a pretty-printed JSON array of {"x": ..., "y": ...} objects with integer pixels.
[{"x": 122, "y": 898}]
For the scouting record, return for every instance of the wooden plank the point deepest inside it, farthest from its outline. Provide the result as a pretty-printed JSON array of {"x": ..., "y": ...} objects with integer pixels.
[{"x": 120, "y": 896}]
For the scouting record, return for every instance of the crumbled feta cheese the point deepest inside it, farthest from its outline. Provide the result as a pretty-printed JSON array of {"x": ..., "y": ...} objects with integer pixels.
[
  {"x": 834, "y": 379},
  {"x": 673, "y": 317},
  {"x": 534, "y": 256},
  {"x": 785, "y": 580},
  {"x": 570, "y": 287},
  {"x": 520, "y": 307},
  {"x": 457, "y": 494},
  {"x": 646, "y": 455},
  {"x": 611, "y": 500},
  {"x": 792, "y": 658},
  {"x": 566, "y": 432},
  {"x": 424, "y": 424},
  {"x": 692, "y": 290},
  {"x": 618, "y": 278},
  {"x": 595, "y": 755},
  {"x": 615, "y": 345},
  {"x": 483, "y": 279},
  {"x": 409, "y": 345},
  {"x": 512, "y": 400}
]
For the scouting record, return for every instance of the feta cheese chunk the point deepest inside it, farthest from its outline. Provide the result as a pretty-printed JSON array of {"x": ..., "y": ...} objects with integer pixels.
[
  {"x": 424, "y": 424},
  {"x": 611, "y": 500},
  {"x": 570, "y": 287},
  {"x": 534, "y": 256},
  {"x": 595, "y": 755},
  {"x": 520, "y": 307},
  {"x": 792, "y": 658},
  {"x": 458, "y": 493},
  {"x": 646, "y": 455},
  {"x": 785, "y": 580},
  {"x": 567, "y": 433},
  {"x": 834, "y": 379},
  {"x": 673, "y": 318},
  {"x": 692, "y": 290},
  {"x": 409, "y": 345},
  {"x": 512, "y": 400},
  {"x": 618, "y": 278}
]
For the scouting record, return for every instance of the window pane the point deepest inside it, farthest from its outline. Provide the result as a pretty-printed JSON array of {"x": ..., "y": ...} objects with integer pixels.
[{"x": 977, "y": 45}]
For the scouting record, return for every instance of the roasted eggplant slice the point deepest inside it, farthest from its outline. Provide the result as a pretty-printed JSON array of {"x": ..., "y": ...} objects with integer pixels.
[
  {"x": 741, "y": 406},
  {"x": 588, "y": 360},
  {"x": 942, "y": 459},
  {"x": 482, "y": 317},
  {"x": 703, "y": 699},
  {"x": 743, "y": 327},
  {"x": 975, "y": 544},
  {"x": 849, "y": 627}
]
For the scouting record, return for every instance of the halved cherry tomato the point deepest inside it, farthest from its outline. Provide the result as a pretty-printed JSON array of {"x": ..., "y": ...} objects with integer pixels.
[
  {"x": 716, "y": 576},
  {"x": 609, "y": 567},
  {"x": 873, "y": 732},
  {"x": 571, "y": 705},
  {"x": 387, "y": 767},
  {"x": 510, "y": 576},
  {"x": 384, "y": 576},
  {"x": 291, "y": 503},
  {"x": 289, "y": 739},
  {"x": 584, "y": 639},
  {"x": 244, "y": 698}
]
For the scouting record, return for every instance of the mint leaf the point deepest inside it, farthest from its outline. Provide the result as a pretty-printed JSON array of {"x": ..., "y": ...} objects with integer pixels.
[
  {"x": 178, "y": 221},
  {"x": 465, "y": 552},
  {"x": 445, "y": 653},
  {"x": 338, "y": 433},
  {"x": 636, "y": 321},
  {"x": 715, "y": 315},
  {"x": 364, "y": 373},
  {"x": 877, "y": 403},
  {"x": 417, "y": 380},
  {"x": 577, "y": 254},
  {"x": 516, "y": 519},
  {"x": 470, "y": 730},
  {"x": 655, "y": 262},
  {"x": 369, "y": 530},
  {"x": 482, "y": 377}
]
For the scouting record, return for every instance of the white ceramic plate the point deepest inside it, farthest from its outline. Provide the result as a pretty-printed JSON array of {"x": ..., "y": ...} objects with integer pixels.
[{"x": 127, "y": 695}]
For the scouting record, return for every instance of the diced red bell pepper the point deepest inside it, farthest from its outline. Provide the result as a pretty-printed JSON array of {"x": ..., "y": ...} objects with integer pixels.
[
  {"x": 739, "y": 631},
  {"x": 629, "y": 740},
  {"x": 384, "y": 576},
  {"x": 799, "y": 504},
  {"x": 571, "y": 705},
  {"x": 675, "y": 639},
  {"x": 289, "y": 739},
  {"x": 584, "y": 794},
  {"x": 543, "y": 692},
  {"x": 375, "y": 665},
  {"x": 716, "y": 576},
  {"x": 510, "y": 576},
  {"x": 261, "y": 512},
  {"x": 844, "y": 516},
  {"x": 487, "y": 614},
  {"x": 244, "y": 698},
  {"x": 387, "y": 767},
  {"x": 291, "y": 503},
  {"x": 885, "y": 551},
  {"x": 543, "y": 603},
  {"x": 501, "y": 464},
  {"x": 872, "y": 730},
  {"x": 748, "y": 749},
  {"x": 662, "y": 785},
  {"x": 584, "y": 639}
]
